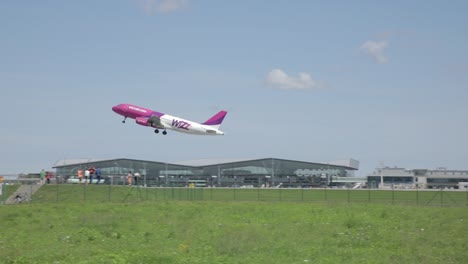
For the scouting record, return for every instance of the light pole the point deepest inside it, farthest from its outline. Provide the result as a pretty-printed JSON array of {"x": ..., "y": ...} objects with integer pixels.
[
  {"x": 272, "y": 171},
  {"x": 160, "y": 180},
  {"x": 213, "y": 179},
  {"x": 165, "y": 173},
  {"x": 267, "y": 179}
]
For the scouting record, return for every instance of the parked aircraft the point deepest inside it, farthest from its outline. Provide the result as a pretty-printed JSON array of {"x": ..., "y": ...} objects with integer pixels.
[{"x": 157, "y": 120}]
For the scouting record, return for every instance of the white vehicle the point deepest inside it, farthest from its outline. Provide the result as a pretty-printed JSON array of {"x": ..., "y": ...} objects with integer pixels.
[{"x": 77, "y": 180}]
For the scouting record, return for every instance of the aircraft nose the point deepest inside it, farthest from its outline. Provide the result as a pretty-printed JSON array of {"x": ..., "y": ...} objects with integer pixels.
[{"x": 115, "y": 108}]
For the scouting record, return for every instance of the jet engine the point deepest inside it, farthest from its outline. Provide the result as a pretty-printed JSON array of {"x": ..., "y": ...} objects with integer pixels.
[{"x": 142, "y": 121}]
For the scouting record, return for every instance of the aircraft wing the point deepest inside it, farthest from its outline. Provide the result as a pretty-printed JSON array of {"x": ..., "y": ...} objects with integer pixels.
[{"x": 155, "y": 122}]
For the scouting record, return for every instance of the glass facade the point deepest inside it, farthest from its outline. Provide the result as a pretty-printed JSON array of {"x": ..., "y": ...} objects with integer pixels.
[{"x": 249, "y": 173}]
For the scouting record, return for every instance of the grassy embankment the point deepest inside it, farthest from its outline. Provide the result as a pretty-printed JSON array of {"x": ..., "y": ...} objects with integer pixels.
[{"x": 164, "y": 231}]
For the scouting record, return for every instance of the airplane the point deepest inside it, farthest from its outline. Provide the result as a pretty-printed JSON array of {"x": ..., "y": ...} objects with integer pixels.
[{"x": 147, "y": 117}]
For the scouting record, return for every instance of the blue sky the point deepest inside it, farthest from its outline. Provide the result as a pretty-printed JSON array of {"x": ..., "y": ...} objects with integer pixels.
[{"x": 377, "y": 81}]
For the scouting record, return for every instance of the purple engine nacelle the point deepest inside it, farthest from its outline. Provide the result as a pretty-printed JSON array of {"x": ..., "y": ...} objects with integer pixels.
[{"x": 142, "y": 121}]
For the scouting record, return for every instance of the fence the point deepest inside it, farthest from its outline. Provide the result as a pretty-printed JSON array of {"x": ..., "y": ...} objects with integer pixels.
[{"x": 92, "y": 193}]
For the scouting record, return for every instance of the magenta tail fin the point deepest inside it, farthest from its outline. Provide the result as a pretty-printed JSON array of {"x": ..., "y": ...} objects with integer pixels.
[{"x": 216, "y": 120}]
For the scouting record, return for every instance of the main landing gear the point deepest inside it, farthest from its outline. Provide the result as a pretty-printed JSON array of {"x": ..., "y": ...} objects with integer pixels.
[{"x": 157, "y": 131}]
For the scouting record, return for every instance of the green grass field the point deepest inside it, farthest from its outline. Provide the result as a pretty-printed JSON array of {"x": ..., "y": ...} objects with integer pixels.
[{"x": 73, "y": 224}]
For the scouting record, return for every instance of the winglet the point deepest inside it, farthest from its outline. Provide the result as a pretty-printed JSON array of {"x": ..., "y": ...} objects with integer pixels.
[{"x": 216, "y": 120}]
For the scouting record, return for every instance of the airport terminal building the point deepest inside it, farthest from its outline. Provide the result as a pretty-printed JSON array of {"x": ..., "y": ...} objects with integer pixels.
[
  {"x": 401, "y": 178},
  {"x": 267, "y": 172}
]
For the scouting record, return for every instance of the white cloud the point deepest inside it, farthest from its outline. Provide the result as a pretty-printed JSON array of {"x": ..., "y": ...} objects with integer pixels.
[
  {"x": 279, "y": 79},
  {"x": 161, "y": 6},
  {"x": 375, "y": 50}
]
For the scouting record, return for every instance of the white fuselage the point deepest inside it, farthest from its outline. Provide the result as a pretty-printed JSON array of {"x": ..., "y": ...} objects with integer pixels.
[{"x": 187, "y": 126}]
